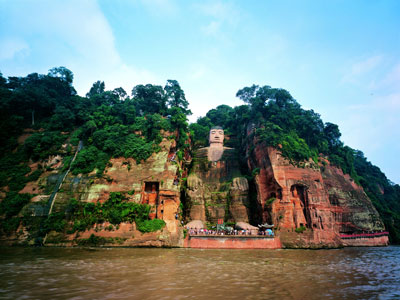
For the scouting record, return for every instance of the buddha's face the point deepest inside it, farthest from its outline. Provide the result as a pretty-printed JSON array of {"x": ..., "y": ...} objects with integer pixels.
[{"x": 216, "y": 136}]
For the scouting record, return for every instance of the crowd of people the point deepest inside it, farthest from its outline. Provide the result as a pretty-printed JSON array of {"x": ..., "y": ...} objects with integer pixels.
[{"x": 214, "y": 232}]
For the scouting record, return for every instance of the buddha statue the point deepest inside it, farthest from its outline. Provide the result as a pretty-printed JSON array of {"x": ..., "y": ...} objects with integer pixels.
[
  {"x": 216, "y": 139},
  {"x": 216, "y": 188}
]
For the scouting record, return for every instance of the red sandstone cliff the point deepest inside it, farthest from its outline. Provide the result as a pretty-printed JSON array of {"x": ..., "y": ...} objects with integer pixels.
[
  {"x": 312, "y": 205},
  {"x": 217, "y": 190}
]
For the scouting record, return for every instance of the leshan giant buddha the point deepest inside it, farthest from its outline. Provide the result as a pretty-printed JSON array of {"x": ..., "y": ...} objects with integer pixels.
[{"x": 216, "y": 188}]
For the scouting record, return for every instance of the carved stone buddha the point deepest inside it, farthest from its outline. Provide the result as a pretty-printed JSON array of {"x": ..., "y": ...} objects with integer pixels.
[{"x": 216, "y": 188}]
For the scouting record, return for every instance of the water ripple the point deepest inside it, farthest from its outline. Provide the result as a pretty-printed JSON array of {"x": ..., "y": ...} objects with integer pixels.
[{"x": 58, "y": 273}]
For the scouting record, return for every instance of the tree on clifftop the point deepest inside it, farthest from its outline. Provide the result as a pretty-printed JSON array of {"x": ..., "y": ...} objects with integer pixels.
[
  {"x": 62, "y": 73},
  {"x": 97, "y": 88},
  {"x": 176, "y": 96},
  {"x": 149, "y": 99}
]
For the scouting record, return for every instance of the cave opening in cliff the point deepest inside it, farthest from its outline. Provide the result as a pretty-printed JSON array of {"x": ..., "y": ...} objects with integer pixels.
[
  {"x": 280, "y": 194},
  {"x": 150, "y": 197},
  {"x": 151, "y": 187},
  {"x": 256, "y": 212},
  {"x": 321, "y": 224},
  {"x": 300, "y": 192},
  {"x": 334, "y": 200},
  {"x": 151, "y": 190}
]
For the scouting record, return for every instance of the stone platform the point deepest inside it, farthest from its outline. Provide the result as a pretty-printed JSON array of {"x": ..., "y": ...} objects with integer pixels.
[{"x": 232, "y": 242}]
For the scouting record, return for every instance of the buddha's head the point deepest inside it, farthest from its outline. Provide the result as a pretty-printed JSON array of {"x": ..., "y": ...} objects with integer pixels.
[{"x": 216, "y": 135}]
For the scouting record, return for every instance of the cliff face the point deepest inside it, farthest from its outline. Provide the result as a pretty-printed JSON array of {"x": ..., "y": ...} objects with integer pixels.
[
  {"x": 154, "y": 182},
  {"x": 217, "y": 190},
  {"x": 312, "y": 205}
]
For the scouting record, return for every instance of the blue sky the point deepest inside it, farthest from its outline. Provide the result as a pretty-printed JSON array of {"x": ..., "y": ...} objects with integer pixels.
[{"x": 340, "y": 58}]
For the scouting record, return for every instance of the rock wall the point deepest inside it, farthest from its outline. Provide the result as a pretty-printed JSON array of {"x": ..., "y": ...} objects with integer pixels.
[
  {"x": 217, "y": 190},
  {"x": 124, "y": 235},
  {"x": 154, "y": 182},
  {"x": 352, "y": 209},
  {"x": 238, "y": 242},
  {"x": 366, "y": 242},
  {"x": 309, "y": 205}
]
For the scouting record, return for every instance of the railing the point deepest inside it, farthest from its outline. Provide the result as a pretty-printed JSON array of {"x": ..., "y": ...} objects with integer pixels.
[
  {"x": 364, "y": 235},
  {"x": 239, "y": 233}
]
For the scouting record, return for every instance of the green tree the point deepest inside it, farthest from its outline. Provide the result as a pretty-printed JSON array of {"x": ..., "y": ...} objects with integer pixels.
[
  {"x": 179, "y": 123},
  {"x": 200, "y": 131},
  {"x": 176, "y": 96},
  {"x": 221, "y": 116},
  {"x": 149, "y": 99},
  {"x": 63, "y": 119},
  {"x": 97, "y": 88},
  {"x": 3, "y": 81},
  {"x": 62, "y": 73},
  {"x": 332, "y": 134},
  {"x": 120, "y": 93}
]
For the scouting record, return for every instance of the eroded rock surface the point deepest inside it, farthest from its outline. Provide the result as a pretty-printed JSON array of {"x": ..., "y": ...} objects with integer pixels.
[
  {"x": 311, "y": 205},
  {"x": 217, "y": 189},
  {"x": 154, "y": 182}
]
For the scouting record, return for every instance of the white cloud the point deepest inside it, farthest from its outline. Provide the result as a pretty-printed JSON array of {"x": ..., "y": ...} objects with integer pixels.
[
  {"x": 361, "y": 68},
  {"x": 74, "y": 34},
  {"x": 212, "y": 28},
  {"x": 203, "y": 99},
  {"x": 373, "y": 128},
  {"x": 366, "y": 65},
  {"x": 161, "y": 7},
  {"x": 219, "y": 10},
  {"x": 198, "y": 71},
  {"x": 11, "y": 47},
  {"x": 389, "y": 103},
  {"x": 393, "y": 77},
  {"x": 371, "y": 124},
  {"x": 222, "y": 15}
]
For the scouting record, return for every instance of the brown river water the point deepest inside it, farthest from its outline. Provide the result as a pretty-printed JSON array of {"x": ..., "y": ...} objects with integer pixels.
[{"x": 138, "y": 273}]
